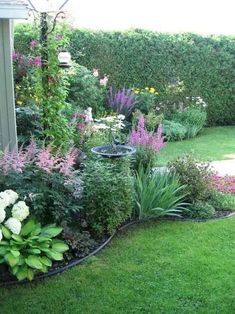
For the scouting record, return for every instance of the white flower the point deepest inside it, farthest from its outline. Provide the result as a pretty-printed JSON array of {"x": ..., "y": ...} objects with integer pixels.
[
  {"x": 14, "y": 225},
  {"x": 3, "y": 204},
  {"x": 95, "y": 72},
  {"x": 20, "y": 211},
  {"x": 5, "y": 197},
  {"x": 121, "y": 117},
  {"x": 2, "y": 215},
  {"x": 13, "y": 196},
  {"x": 100, "y": 126},
  {"x": 0, "y": 235}
]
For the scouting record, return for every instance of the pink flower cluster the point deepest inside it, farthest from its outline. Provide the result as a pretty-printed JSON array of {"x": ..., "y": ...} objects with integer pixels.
[
  {"x": 41, "y": 157},
  {"x": 150, "y": 140},
  {"x": 37, "y": 61},
  {"x": 224, "y": 184}
]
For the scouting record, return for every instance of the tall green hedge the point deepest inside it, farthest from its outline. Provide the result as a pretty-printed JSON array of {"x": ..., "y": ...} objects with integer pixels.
[{"x": 142, "y": 58}]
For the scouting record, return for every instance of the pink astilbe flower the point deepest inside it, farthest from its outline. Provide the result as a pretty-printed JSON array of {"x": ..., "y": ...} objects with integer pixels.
[
  {"x": 31, "y": 151},
  {"x": 33, "y": 44},
  {"x": 45, "y": 160},
  {"x": 13, "y": 161},
  {"x": 37, "y": 61},
  {"x": 66, "y": 164},
  {"x": 149, "y": 140}
]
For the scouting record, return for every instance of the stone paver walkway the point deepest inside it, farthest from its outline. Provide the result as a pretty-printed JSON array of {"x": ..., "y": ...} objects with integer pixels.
[{"x": 224, "y": 167}]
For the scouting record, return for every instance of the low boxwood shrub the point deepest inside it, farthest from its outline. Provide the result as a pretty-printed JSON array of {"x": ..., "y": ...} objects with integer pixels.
[{"x": 107, "y": 194}]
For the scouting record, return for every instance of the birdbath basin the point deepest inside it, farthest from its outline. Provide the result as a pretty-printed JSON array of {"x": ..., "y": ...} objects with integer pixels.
[{"x": 113, "y": 151}]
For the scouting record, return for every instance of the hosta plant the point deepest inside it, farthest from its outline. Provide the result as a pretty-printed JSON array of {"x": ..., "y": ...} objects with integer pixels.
[{"x": 32, "y": 250}]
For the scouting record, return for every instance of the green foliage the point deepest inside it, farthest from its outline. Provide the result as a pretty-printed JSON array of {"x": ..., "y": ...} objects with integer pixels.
[
  {"x": 79, "y": 242},
  {"x": 193, "y": 119},
  {"x": 49, "y": 197},
  {"x": 144, "y": 157},
  {"x": 107, "y": 194},
  {"x": 195, "y": 175},
  {"x": 33, "y": 250},
  {"x": 146, "y": 99},
  {"x": 174, "y": 131},
  {"x": 152, "y": 119},
  {"x": 158, "y": 193},
  {"x": 84, "y": 90},
  {"x": 28, "y": 123},
  {"x": 221, "y": 200},
  {"x": 201, "y": 210}
]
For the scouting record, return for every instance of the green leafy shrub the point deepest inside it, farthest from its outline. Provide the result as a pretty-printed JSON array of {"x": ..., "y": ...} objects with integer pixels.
[
  {"x": 107, "y": 194},
  {"x": 193, "y": 119},
  {"x": 221, "y": 201},
  {"x": 158, "y": 194},
  {"x": 174, "y": 131},
  {"x": 85, "y": 90},
  {"x": 152, "y": 119},
  {"x": 195, "y": 175},
  {"x": 146, "y": 99},
  {"x": 201, "y": 210},
  {"x": 33, "y": 250}
]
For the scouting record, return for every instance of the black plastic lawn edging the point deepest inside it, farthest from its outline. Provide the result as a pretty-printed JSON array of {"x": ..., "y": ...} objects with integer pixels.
[{"x": 102, "y": 246}]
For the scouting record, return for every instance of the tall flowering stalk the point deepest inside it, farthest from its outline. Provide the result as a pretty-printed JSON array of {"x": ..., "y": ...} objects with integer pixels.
[
  {"x": 148, "y": 140},
  {"x": 122, "y": 101}
]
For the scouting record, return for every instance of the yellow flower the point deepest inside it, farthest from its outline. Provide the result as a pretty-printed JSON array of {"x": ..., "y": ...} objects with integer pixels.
[
  {"x": 17, "y": 87},
  {"x": 152, "y": 90},
  {"x": 156, "y": 93},
  {"x": 19, "y": 102},
  {"x": 136, "y": 92},
  {"x": 146, "y": 88}
]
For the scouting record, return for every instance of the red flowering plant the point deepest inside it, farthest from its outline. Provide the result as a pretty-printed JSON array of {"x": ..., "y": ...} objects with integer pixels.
[
  {"x": 48, "y": 180},
  {"x": 148, "y": 144}
]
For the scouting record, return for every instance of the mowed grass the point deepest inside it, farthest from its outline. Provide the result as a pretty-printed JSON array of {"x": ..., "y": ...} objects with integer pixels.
[
  {"x": 215, "y": 143},
  {"x": 161, "y": 267}
]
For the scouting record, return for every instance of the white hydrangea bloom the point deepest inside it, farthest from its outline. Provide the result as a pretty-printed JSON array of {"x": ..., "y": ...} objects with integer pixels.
[
  {"x": 4, "y": 196},
  {"x": 3, "y": 204},
  {"x": 20, "y": 211},
  {"x": 0, "y": 235},
  {"x": 2, "y": 215},
  {"x": 13, "y": 196},
  {"x": 14, "y": 225}
]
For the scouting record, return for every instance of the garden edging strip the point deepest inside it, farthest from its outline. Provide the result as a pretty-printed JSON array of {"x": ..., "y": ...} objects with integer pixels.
[{"x": 101, "y": 247}]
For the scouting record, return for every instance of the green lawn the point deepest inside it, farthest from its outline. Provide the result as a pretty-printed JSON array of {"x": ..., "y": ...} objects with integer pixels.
[
  {"x": 212, "y": 144},
  {"x": 162, "y": 267}
]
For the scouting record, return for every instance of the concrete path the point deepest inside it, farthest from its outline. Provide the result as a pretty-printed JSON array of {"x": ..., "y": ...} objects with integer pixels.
[{"x": 224, "y": 167}]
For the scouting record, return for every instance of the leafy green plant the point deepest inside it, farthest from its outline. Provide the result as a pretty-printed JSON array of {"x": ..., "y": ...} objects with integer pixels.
[
  {"x": 201, "y": 210},
  {"x": 107, "y": 194},
  {"x": 174, "y": 131},
  {"x": 195, "y": 175},
  {"x": 145, "y": 99},
  {"x": 158, "y": 194},
  {"x": 222, "y": 201},
  {"x": 193, "y": 119},
  {"x": 33, "y": 250},
  {"x": 85, "y": 90},
  {"x": 152, "y": 119}
]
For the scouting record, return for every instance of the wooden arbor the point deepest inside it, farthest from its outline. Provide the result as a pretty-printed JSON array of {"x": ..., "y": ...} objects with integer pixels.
[{"x": 9, "y": 10}]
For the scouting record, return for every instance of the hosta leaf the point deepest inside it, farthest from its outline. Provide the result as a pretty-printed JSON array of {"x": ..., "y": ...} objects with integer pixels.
[
  {"x": 51, "y": 230},
  {"x": 37, "y": 230},
  {"x": 6, "y": 233},
  {"x": 15, "y": 253},
  {"x": 22, "y": 273},
  {"x": 33, "y": 262},
  {"x": 30, "y": 274},
  {"x": 34, "y": 251},
  {"x": 3, "y": 250},
  {"x": 11, "y": 259},
  {"x": 28, "y": 228},
  {"x": 60, "y": 247},
  {"x": 56, "y": 256},
  {"x": 46, "y": 261},
  {"x": 17, "y": 238}
]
